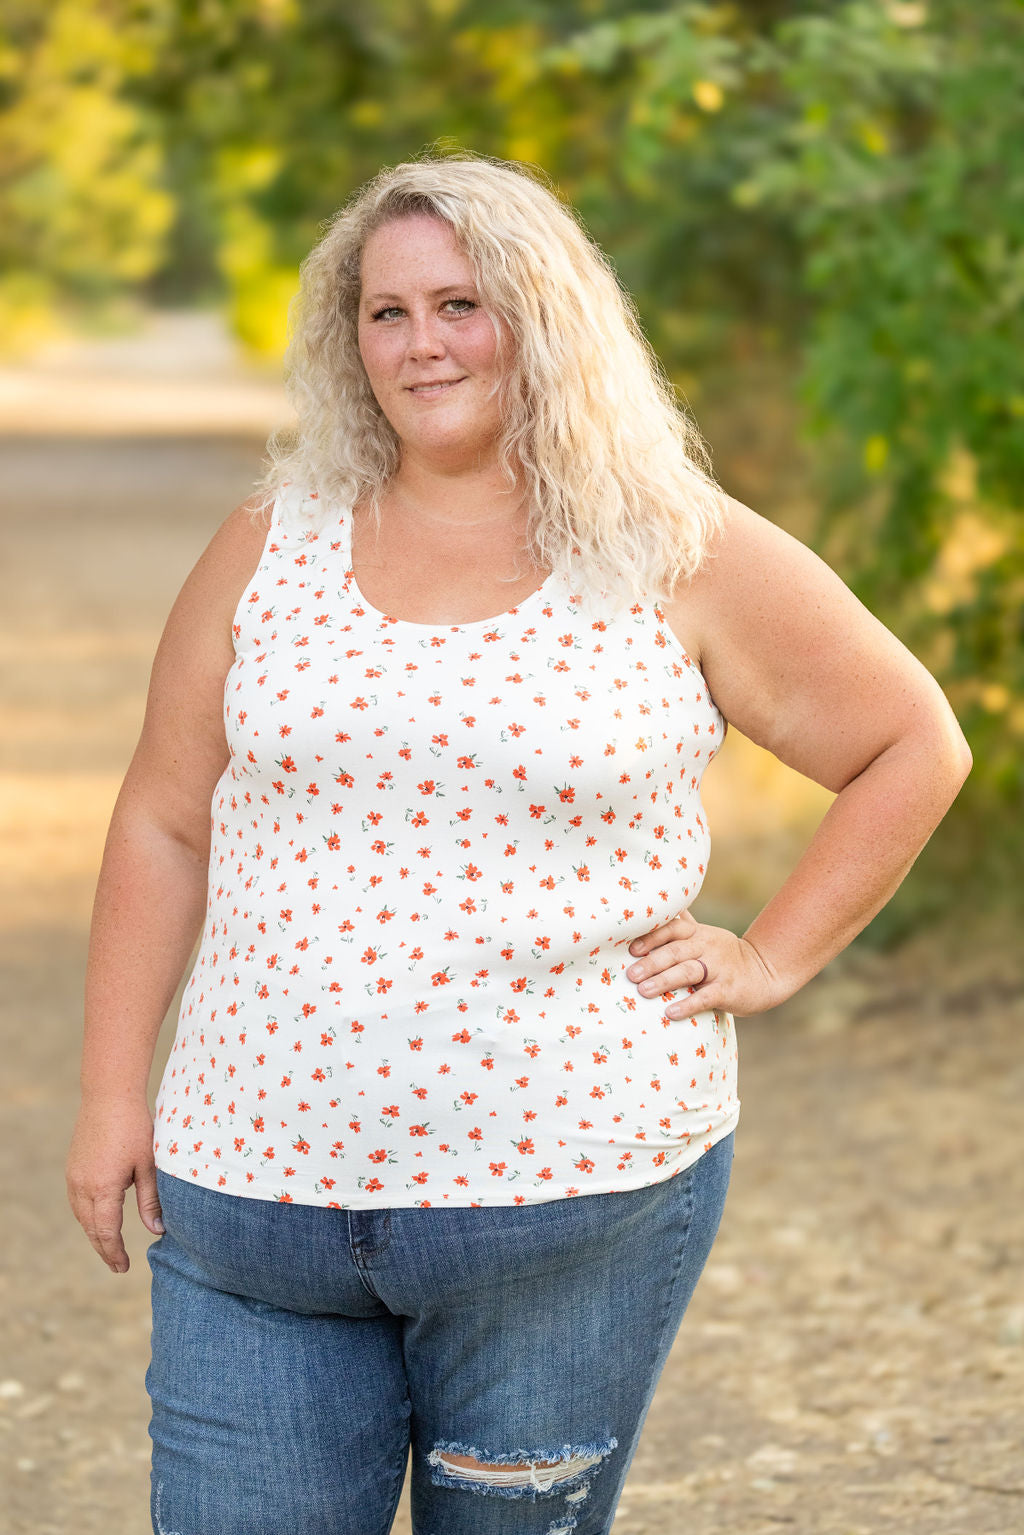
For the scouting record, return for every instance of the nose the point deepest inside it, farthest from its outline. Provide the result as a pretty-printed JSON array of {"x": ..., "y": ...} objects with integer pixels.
[{"x": 425, "y": 339}]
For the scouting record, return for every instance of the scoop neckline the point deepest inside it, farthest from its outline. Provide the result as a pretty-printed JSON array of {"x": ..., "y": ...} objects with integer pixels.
[{"x": 431, "y": 628}]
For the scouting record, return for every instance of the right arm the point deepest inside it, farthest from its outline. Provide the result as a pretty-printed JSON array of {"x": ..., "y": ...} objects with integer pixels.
[{"x": 151, "y": 894}]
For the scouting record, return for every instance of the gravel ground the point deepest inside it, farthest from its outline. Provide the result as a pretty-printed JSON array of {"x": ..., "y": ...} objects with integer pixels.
[{"x": 853, "y": 1361}]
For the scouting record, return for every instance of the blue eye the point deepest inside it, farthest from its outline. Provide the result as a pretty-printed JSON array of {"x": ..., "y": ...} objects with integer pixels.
[{"x": 387, "y": 309}]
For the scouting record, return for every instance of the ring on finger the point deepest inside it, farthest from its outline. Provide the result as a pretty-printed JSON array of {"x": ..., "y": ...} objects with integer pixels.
[{"x": 703, "y": 978}]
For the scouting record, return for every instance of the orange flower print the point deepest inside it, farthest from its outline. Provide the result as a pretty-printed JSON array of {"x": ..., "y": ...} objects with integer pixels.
[{"x": 431, "y": 847}]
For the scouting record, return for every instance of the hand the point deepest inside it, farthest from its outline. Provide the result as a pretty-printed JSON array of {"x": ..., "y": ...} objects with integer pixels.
[
  {"x": 111, "y": 1149},
  {"x": 737, "y": 981}
]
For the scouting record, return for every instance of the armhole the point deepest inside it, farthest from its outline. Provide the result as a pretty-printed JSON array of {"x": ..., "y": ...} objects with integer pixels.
[
  {"x": 274, "y": 528},
  {"x": 670, "y": 637},
  {"x": 674, "y": 644}
]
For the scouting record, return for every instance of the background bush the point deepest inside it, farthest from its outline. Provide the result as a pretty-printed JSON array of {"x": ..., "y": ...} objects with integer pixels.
[{"x": 837, "y": 187}]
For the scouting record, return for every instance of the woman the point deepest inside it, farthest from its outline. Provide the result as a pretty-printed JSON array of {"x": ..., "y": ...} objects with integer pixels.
[{"x": 451, "y": 707}]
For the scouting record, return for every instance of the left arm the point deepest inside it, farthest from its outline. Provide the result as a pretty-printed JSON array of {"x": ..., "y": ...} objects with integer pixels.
[{"x": 802, "y": 668}]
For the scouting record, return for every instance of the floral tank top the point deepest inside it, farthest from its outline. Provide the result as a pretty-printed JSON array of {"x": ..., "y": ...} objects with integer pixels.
[{"x": 431, "y": 848}]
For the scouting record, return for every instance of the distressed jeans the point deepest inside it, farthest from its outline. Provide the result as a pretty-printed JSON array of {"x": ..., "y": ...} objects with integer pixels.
[{"x": 300, "y": 1352}]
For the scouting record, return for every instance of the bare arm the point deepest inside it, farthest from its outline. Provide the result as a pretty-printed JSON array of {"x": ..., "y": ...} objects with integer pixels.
[
  {"x": 151, "y": 893},
  {"x": 802, "y": 668}
]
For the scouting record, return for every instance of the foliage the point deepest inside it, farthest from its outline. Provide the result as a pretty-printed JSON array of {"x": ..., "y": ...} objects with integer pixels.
[
  {"x": 843, "y": 183},
  {"x": 902, "y": 169}
]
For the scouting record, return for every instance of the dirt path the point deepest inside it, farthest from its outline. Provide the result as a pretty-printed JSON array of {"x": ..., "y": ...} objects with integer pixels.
[{"x": 853, "y": 1363}]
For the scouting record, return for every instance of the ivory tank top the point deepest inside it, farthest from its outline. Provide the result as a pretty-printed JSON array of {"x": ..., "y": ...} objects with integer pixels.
[{"x": 431, "y": 848}]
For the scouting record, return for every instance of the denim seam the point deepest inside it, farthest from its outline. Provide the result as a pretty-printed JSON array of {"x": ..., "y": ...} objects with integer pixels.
[
  {"x": 355, "y": 1248},
  {"x": 399, "y": 1484},
  {"x": 670, "y": 1289}
]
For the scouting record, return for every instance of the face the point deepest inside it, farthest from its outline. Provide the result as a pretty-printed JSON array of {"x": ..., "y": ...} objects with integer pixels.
[{"x": 428, "y": 348}]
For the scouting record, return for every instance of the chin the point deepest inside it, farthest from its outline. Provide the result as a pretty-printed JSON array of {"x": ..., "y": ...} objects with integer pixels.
[{"x": 451, "y": 437}]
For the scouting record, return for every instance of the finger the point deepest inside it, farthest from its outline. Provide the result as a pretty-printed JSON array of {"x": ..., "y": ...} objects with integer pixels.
[
  {"x": 706, "y": 999},
  {"x": 672, "y": 951},
  {"x": 689, "y": 973},
  {"x": 103, "y": 1228},
  {"x": 683, "y": 926},
  {"x": 148, "y": 1200}
]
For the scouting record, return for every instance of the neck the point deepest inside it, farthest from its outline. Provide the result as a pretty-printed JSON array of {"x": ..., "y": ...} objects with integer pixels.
[{"x": 464, "y": 499}]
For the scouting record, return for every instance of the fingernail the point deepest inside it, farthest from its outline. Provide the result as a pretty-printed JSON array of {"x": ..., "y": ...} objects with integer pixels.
[
  {"x": 635, "y": 972},
  {"x": 158, "y": 1224}
]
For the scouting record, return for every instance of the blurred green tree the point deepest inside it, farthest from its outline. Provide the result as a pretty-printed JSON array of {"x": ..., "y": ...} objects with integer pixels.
[
  {"x": 843, "y": 183},
  {"x": 855, "y": 175}
]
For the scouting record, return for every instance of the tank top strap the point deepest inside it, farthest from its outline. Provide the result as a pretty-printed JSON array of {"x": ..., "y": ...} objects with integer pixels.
[
  {"x": 341, "y": 532},
  {"x": 297, "y": 510}
]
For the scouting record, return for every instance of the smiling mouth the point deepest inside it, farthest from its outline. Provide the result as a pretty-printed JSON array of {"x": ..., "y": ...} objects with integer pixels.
[{"x": 428, "y": 390}]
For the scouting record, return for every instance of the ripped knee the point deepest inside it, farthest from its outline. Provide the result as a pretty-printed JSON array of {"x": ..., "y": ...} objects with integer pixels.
[{"x": 521, "y": 1474}]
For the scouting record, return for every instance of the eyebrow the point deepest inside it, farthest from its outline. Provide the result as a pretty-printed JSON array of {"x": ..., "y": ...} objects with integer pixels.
[{"x": 454, "y": 287}]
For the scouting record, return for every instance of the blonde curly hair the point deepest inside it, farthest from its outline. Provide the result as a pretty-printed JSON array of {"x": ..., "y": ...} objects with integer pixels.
[{"x": 618, "y": 477}]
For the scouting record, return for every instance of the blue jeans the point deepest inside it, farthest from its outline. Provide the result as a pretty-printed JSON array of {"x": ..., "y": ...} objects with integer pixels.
[{"x": 298, "y": 1352}]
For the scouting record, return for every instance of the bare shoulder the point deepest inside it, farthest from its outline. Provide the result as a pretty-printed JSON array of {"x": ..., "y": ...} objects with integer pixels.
[
  {"x": 762, "y": 591},
  {"x": 183, "y": 749},
  {"x": 227, "y": 563},
  {"x": 792, "y": 657},
  {"x": 748, "y": 561},
  {"x": 199, "y": 625},
  {"x": 197, "y": 637},
  {"x": 205, "y": 605}
]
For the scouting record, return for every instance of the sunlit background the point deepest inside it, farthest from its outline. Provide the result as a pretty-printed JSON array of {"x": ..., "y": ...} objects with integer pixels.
[{"x": 819, "y": 212}]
